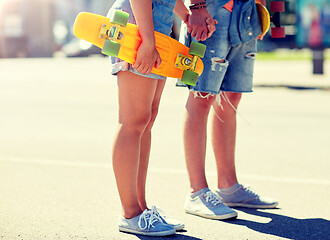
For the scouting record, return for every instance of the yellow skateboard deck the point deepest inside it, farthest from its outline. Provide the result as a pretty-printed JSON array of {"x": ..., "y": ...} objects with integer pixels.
[
  {"x": 264, "y": 18},
  {"x": 175, "y": 56}
]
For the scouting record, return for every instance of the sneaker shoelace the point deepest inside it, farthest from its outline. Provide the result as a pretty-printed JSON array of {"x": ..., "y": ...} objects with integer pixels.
[
  {"x": 212, "y": 198},
  {"x": 159, "y": 213},
  {"x": 250, "y": 191},
  {"x": 149, "y": 217}
]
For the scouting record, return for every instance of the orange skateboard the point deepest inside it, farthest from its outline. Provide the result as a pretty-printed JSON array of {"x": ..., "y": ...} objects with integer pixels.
[
  {"x": 265, "y": 19},
  {"x": 120, "y": 39}
]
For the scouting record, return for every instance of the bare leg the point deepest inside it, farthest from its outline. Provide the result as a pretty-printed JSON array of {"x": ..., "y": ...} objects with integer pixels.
[
  {"x": 195, "y": 136},
  {"x": 224, "y": 139},
  {"x": 136, "y": 95},
  {"x": 145, "y": 147}
]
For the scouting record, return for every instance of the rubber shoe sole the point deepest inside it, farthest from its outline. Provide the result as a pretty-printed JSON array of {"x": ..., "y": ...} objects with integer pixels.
[
  {"x": 251, "y": 205},
  {"x": 178, "y": 227},
  {"x": 216, "y": 217},
  {"x": 154, "y": 234}
]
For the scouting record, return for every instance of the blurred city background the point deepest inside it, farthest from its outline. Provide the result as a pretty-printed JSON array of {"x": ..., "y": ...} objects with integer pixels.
[{"x": 42, "y": 28}]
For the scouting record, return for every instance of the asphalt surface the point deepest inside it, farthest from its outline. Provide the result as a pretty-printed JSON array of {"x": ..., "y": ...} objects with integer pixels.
[{"x": 57, "y": 121}]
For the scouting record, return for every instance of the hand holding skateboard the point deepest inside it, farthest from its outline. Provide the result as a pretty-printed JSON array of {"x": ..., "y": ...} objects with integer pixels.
[{"x": 147, "y": 57}]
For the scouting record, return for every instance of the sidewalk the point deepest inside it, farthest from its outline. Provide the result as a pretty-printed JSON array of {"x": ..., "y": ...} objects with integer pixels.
[
  {"x": 292, "y": 74},
  {"x": 58, "y": 118}
]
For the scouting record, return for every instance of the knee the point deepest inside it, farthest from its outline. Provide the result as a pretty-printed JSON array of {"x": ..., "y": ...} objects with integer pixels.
[
  {"x": 153, "y": 115},
  {"x": 199, "y": 103},
  {"x": 137, "y": 122},
  {"x": 233, "y": 98}
]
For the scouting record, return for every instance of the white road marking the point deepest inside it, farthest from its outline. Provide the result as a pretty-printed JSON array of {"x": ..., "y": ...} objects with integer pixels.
[{"x": 160, "y": 170}]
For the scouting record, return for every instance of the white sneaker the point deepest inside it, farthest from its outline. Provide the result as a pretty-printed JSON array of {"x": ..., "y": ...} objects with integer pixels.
[
  {"x": 147, "y": 223},
  {"x": 207, "y": 204}
]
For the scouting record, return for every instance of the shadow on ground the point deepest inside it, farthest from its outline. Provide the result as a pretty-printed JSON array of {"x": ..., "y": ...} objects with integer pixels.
[
  {"x": 177, "y": 236},
  {"x": 286, "y": 227}
]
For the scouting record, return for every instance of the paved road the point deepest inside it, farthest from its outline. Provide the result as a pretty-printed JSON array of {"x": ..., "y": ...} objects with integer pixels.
[{"x": 58, "y": 118}]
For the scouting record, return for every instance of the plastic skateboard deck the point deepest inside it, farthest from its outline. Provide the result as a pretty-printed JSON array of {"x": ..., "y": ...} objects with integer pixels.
[
  {"x": 175, "y": 56},
  {"x": 265, "y": 19}
]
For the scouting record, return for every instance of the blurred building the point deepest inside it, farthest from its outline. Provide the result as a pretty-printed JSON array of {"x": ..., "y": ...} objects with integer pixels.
[
  {"x": 26, "y": 28},
  {"x": 37, "y": 28}
]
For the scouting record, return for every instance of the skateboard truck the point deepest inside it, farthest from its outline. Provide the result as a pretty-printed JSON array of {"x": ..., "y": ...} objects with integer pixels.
[
  {"x": 110, "y": 33},
  {"x": 104, "y": 31},
  {"x": 184, "y": 62},
  {"x": 188, "y": 64}
]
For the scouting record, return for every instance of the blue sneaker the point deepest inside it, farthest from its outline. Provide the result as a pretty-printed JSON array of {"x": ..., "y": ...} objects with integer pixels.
[
  {"x": 147, "y": 223},
  {"x": 205, "y": 203},
  {"x": 170, "y": 220},
  {"x": 245, "y": 197}
]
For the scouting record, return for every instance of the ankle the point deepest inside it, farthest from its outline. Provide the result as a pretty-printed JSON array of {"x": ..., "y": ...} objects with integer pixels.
[
  {"x": 131, "y": 213},
  {"x": 227, "y": 183},
  {"x": 144, "y": 207},
  {"x": 229, "y": 190},
  {"x": 198, "y": 187},
  {"x": 196, "y": 193}
]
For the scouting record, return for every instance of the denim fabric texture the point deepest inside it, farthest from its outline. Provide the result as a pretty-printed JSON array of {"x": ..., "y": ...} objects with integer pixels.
[{"x": 231, "y": 50}]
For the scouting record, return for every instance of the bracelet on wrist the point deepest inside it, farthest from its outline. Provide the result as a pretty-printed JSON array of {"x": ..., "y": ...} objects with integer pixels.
[
  {"x": 195, "y": 5},
  {"x": 193, "y": 8}
]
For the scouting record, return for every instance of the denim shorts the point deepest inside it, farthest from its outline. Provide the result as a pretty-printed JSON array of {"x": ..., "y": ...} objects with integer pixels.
[
  {"x": 235, "y": 74},
  {"x": 162, "y": 11}
]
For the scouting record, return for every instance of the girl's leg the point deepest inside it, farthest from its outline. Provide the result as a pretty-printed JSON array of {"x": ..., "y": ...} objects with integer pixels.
[
  {"x": 135, "y": 96},
  {"x": 224, "y": 138},
  {"x": 195, "y": 128},
  {"x": 145, "y": 146}
]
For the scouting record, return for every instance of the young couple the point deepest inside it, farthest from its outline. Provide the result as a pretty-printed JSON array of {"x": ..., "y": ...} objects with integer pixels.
[{"x": 229, "y": 29}]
